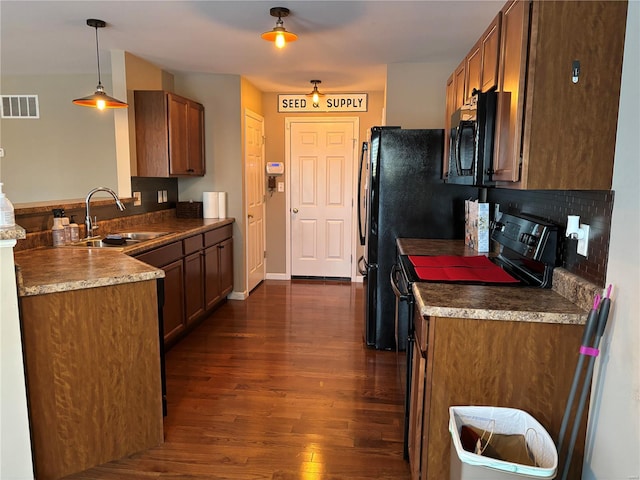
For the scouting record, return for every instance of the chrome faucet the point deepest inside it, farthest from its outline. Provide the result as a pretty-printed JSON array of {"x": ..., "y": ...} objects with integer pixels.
[{"x": 88, "y": 223}]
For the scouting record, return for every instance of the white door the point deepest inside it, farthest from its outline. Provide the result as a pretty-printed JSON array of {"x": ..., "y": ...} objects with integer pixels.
[
  {"x": 254, "y": 183},
  {"x": 321, "y": 198}
]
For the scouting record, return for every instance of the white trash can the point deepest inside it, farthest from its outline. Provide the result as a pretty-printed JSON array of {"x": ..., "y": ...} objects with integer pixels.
[{"x": 508, "y": 421}]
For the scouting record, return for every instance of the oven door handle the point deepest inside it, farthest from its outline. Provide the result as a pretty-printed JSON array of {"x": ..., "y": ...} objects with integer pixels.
[{"x": 394, "y": 276}]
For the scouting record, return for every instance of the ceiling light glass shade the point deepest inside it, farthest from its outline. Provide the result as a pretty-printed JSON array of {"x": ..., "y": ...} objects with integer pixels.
[{"x": 99, "y": 99}]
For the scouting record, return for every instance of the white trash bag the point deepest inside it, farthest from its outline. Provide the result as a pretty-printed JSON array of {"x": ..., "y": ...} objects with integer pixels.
[{"x": 504, "y": 421}]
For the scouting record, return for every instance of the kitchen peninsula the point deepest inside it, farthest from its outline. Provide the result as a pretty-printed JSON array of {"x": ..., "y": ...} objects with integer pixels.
[
  {"x": 92, "y": 347},
  {"x": 508, "y": 346}
]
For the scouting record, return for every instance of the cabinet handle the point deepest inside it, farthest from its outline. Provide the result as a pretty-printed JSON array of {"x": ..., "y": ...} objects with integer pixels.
[
  {"x": 190, "y": 170},
  {"x": 220, "y": 246}
]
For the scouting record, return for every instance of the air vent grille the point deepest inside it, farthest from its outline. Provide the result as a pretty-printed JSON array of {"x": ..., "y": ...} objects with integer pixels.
[{"x": 20, "y": 106}]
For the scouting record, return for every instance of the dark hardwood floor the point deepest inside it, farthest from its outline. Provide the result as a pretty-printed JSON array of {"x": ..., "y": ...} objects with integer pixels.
[{"x": 279, "y": 387}]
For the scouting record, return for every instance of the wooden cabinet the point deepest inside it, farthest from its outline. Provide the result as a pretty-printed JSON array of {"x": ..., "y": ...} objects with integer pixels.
[
  {"x": 473, "y": 71},
  {"x": 219, "y": 265},
  {"x": 459, "y": 76},
  {"x": 490, "y": 46},
  {"x": 449, "y": 109},
  {"x": 93, "y": 375},
  {"x": 169, "y": 135},
  {"x": 524, "y": 365},
  {"x": 198, "y": 277},
  {"x": 553, "y": 132}
]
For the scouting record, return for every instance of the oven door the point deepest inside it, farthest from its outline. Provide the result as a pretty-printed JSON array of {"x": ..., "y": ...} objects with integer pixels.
[{"x": 404, "y": 308}]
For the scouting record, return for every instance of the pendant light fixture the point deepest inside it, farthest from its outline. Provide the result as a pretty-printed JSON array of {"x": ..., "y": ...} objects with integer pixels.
[
  {"x": 279, "y": 34},
  {"x": 99, "y": 99},
  {"x": 315, "y": 94}
]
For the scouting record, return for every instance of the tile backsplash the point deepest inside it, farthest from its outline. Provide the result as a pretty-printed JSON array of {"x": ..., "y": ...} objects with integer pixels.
[{"x": 593, "y": 207}]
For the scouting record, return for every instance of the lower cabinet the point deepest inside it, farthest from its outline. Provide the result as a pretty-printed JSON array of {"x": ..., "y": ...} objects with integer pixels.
[
  {"x": 459, "y": 361},
  {"x": 93, "y": 376},
  {"x": 198, "y": 276}
]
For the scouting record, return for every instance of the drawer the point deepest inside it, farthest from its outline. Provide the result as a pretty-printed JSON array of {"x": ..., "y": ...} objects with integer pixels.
[
  {"x": 162, "y": 256},
  {"x": 192, "y": 244},
  {"x": 218, "y": 235}
]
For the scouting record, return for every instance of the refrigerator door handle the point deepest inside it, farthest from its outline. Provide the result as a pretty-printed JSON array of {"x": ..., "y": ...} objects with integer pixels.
[
  {"x": 363, "y": 267},
  {"x": 361, "y": 227}
]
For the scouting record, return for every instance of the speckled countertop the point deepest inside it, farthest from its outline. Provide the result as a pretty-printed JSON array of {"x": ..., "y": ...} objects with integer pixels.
[
  {"x": 57, "y": 269},
  {"x": 494, "y": 302}
]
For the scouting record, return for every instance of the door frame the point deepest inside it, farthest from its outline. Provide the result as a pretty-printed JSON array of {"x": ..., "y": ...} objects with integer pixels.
[
  {"x": 355, "y": 121},
  {"x": 255, "y": 116}
]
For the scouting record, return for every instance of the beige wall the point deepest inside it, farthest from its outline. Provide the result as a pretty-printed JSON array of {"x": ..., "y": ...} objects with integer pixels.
[
  {"x": 221, "y": 97},
  {"x": 67, "y": 151},
  {"x": 416, "y": 94},
  {"x": 275, "y": 150}
]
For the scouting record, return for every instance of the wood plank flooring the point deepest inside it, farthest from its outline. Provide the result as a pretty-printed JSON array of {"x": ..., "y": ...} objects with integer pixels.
[{"x": 280, "y": 387}]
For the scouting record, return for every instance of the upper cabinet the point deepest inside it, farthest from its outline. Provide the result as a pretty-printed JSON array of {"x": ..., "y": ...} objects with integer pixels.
[
  {"x": 559, "y": 84},
  {"x": 169, "y": 135},
  {"x": 478, "y": 71}
]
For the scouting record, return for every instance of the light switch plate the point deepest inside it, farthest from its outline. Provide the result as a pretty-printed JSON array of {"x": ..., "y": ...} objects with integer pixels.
[
  {"x": 137, "y": 199},
  {"x": 281, "y": 186},
  {"x": 164, "y": 196},
  {"x": 159, "y": 196}
]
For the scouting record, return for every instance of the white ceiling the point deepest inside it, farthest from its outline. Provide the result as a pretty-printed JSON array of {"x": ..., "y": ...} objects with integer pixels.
[{"x": 345, "y": 44}]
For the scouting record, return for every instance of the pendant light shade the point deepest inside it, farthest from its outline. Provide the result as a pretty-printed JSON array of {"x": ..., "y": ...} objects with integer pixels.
[
  {"x": 99, "y": 99},
  {"x": 279, "y": 34},
  {"x": 315, "y": 94}
]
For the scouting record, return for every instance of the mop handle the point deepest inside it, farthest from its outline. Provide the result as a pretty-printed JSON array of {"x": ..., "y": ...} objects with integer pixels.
[
  {"x": 589, "y": 328},
  {"x": 603, "y": 314}
]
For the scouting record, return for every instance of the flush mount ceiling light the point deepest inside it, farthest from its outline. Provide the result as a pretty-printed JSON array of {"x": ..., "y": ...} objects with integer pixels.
[
  {"x": 315, "y": 94},
  {"x": 279, "y": 34},
  {"x": 99, "y": 99}
]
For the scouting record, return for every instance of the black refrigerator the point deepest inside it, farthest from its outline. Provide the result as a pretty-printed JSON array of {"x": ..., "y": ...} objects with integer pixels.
[{"x": 401, "y": 195}]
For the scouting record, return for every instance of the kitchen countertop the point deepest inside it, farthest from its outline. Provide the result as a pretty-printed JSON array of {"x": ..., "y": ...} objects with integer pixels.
[
  {"x": 57, "y": 269},
  {"x": 486, "y": 302}
]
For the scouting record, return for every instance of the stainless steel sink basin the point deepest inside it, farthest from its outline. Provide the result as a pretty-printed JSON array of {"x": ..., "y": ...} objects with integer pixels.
[
  {"x": 141, "y": 236},
  {"x": 118, "y": 240}
]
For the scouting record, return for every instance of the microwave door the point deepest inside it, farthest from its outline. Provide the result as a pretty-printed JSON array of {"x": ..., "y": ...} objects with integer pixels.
[{"x": 466, "y": 148}]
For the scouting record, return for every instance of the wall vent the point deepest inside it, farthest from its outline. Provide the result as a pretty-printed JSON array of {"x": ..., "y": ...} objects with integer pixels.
[{"x": 20, "y": 106}]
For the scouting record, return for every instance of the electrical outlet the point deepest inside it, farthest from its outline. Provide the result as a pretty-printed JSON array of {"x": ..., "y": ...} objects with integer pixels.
[
  {"x": 164, "y": 196},
  {"x": 137, "y": 199},
  {"x": 159, "y": 196},
  {"x": 281, "y": 186},
  {"x": 1, "y": 152},
  {"x": 583, "y": 243}
]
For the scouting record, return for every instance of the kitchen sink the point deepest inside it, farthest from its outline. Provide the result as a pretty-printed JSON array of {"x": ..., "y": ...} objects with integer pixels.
[
  {"x": 118, "y": 240},
  {"x": 141, "y": 236}
]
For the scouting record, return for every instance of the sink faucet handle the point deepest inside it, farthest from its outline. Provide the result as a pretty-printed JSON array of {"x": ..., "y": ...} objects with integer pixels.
[{"x": 94, "y": 224}]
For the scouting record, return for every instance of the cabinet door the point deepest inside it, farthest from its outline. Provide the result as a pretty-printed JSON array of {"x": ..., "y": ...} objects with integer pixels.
[
  {"x": 173, "y": 311},
  {"x": 194, "y": 286},
  {"x": 212, "y": 276},
  {"x": 225, "y": 252},
  {"x": 416, "y": 411},
  {"x": 178, "y": 139},
  {"x": 449, "y": 109},
  {"x": 195, "y": 135},
  {"x": 473, "y": 70},
  {"x": 490, "y": 54},
  {"x": 510, "y": 110},
  {"x": 458, "y": 82}
]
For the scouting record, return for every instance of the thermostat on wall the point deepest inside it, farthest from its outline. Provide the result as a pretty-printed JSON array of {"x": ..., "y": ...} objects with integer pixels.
[{"x": 275, "y": 168}]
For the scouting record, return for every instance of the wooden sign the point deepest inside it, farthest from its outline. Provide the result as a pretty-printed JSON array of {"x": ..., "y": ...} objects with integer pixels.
[{"x": 330, "y": 102}]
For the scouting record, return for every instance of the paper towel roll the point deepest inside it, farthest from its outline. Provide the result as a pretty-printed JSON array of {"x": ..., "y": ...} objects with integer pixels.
[
  {"x": 222, "y": 205},
  {"x": 210, "y": 204}
]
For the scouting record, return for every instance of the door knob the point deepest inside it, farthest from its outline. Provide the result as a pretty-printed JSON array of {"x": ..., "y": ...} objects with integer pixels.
[
  {"x": 295, "y": 210},
  {"x": 250, "y": 216}
]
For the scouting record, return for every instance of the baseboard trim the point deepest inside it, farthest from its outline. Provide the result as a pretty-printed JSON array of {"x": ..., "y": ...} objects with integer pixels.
[
  {"x": 238, "y": 296},
  {"x": 278, "y": 276}
]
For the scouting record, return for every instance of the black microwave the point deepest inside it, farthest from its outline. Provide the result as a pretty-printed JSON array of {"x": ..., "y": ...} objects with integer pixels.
[{"x": 471, "y": 141}]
